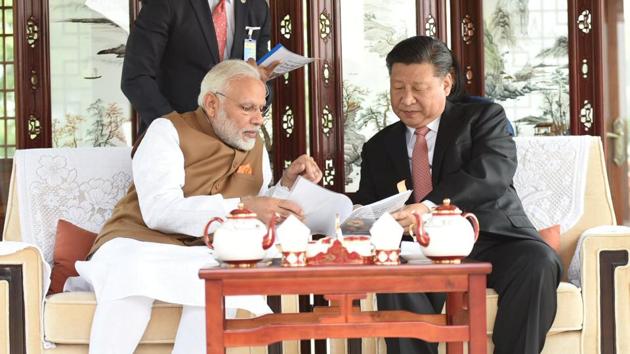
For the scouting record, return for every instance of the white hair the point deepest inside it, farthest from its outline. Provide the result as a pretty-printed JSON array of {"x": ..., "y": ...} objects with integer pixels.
[{"x": 219, "y": 77}]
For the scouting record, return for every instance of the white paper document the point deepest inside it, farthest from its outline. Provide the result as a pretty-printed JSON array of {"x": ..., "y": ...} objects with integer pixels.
[
  {"x": 321, "y": 206},
  {"x": 362, "y": 218},
  {"x": 288, "y": 60}
]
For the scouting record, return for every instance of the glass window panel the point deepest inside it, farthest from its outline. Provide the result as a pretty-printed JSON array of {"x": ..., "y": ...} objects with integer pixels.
[
  {"x": 10, "y": 152},
  {"x": 8, "y": 24},
  {"x": 526, "y": 63},
  {"x": 8, "y": 2},
  {"x": 2, "y": 76},
  {"x": 10, "y": 132},
  {"x": 370, "y": 29},
  {"x": 3, "y": 136},
  {"x": 10, "y": 77},
  {"x": 1, "y": 21},
  {"x": 8, "y": 48},
  {"x": 2, "y": 104},
  {"x": 10, "y": 104},
  {"x": 88, "y": 107}
]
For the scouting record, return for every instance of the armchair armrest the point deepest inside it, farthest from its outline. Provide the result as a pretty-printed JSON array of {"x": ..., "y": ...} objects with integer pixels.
[
  {"x": 605, "y": 275},
  {"x": 21, "y": 288}
]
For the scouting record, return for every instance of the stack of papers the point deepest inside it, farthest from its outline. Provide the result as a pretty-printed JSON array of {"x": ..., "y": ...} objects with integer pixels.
[{"x": 288, "y": 60}]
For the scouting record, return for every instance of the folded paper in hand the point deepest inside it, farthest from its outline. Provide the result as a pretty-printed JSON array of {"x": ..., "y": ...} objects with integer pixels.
[
  {"x": 288, "y": 60},
  {"x": 321, "y": 206}
]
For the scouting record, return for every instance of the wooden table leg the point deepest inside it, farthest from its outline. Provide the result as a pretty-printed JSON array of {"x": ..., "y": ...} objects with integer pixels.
[
  {"x": 477, "y": 314},
  {"x": 454, "y": 304},
  {"x": 215, "y": 317}
]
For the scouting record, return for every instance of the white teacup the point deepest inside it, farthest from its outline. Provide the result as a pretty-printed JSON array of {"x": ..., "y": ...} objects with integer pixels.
[{"x": 358, "y": 243}]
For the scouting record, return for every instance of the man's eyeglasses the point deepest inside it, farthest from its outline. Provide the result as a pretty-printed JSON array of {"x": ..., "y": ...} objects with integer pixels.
[{"x": 245, "y": 107}]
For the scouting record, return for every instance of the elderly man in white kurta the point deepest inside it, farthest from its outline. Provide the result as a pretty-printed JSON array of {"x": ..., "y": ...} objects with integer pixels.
[{"x": 187, "y": 169}]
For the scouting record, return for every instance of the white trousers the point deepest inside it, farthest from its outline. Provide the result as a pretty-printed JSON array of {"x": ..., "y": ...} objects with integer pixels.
[{"x": 118, "y": 327}]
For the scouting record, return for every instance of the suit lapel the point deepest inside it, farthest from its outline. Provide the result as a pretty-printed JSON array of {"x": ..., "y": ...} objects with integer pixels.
[
  {"x": 204, "y": 17},
  {"x": 446, "y": 137},
  {"x": 397, "y": 150},
  {"x": 240, "y": 12}
]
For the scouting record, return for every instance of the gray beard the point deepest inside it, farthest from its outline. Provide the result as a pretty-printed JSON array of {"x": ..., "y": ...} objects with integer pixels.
[{"x": 229, "y": 133}]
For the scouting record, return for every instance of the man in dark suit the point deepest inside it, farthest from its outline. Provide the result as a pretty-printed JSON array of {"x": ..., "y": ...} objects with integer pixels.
[
  {"x": 174, "y": 44},
  {"x": 443, "y": 148}
]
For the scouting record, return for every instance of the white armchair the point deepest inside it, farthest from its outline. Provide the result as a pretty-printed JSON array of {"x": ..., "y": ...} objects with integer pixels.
[{"x": 82, "y": 186}]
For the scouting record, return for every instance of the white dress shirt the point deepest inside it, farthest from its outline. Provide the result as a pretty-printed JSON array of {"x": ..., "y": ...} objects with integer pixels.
[
  {"x": 431, "y": 136},
  {"x": 229, "y": 12}
]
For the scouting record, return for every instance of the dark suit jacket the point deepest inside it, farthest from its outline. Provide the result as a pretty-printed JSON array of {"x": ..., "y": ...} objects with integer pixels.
[
  {"x": 172, "y": 47},
  {"x": 473, "y": 164}
]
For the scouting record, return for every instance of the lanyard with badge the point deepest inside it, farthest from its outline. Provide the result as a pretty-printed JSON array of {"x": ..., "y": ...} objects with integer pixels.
[{"x": 249, "y": 45}]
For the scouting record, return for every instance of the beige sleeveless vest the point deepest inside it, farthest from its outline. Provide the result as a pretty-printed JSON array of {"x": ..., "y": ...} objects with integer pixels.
[{"x": 211, "y": 167}]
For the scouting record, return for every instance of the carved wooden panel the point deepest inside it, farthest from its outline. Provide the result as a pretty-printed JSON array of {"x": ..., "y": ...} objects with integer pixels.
[
  {"x": 467, "y": 42},
  {"x": 326, "y": 129},
  {"x": 32, "y": 74},
  {"x": 289, "y": 122},
  {"x": 431, "y": 18},
  {"x": 585, "y": 67}
]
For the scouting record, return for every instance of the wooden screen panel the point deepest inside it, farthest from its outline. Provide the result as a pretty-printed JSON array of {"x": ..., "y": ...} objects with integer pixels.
[
  {"x": 467, "y": 42},
  {"x": 326, "y": 126},
  {"x": 8, "y": 121},
  {"x": 431, "y": 18},
  {"x": 32, "y": 74},
  {"x": 585, "y": 67},
  {"x": 289, "y": 123}
]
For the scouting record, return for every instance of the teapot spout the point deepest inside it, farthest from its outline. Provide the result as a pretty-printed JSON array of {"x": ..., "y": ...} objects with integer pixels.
[{"x": 270, "y": 237}]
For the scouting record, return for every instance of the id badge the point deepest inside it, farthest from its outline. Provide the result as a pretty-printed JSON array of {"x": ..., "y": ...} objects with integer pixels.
[{"x": 249, "y": 49}]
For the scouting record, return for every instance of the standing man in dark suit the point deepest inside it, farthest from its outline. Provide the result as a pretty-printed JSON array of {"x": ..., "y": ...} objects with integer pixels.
[
  {"x": 462, "y": 151},
  {"x": 174, "y": 43}
]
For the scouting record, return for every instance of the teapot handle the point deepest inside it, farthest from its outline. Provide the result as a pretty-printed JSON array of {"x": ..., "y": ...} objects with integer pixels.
[
  {"x": 206, "y": 237},
  {"x": 270, "y": 237},
  {"x": 474, "y": 222},
  {"x": 418, "y": 229}
]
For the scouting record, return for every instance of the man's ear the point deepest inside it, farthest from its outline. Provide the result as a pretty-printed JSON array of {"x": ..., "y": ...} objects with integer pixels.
[
  {"x": 210, "y": 104},
  {"x": 448, "y": 83}
]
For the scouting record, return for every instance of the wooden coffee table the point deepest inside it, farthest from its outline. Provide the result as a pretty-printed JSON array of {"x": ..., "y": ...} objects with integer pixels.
[{"x": 464, "y": 321}]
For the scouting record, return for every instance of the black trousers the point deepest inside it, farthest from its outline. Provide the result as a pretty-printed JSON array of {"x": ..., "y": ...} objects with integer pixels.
[{"x": 525, "y": 275}]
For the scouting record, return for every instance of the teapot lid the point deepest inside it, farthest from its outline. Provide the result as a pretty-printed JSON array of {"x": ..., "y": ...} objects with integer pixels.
[
  {"x": 241, "y": 213},
  {"x": 446, "y": 208}
]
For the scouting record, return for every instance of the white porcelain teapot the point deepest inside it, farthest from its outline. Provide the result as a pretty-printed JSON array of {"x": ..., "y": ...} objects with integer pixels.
[
  {"x": 241, "y": 240},
  {"x": 447, "y": 236}
]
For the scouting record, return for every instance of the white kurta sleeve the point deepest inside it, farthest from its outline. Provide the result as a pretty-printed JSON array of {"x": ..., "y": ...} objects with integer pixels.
[{"x": 158, "y": 175}]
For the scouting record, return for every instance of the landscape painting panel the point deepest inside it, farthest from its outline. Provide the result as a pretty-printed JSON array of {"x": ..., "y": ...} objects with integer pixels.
[
  {"x": 87, "y": 49},
  {"x": 370, "y": 30},
  {"x": 527, "y": 63}
]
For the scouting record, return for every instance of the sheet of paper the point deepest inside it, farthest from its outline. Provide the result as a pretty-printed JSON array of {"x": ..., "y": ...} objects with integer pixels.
[
  {"x": 362, "y": 218},
  {"x": 288, "y": 60},
  {"x": 387, "y": 205},
  {"x": 320, "y": 206}
]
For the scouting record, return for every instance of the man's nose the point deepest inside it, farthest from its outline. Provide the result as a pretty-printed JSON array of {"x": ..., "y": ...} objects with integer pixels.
[
  {"x": 408, "y": 98},
  {"x": 257, "y": 118}
]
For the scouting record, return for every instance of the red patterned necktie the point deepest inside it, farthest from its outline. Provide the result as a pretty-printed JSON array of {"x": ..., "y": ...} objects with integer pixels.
[
  {"x": 420, "y": 166},
  {"x": 219, "y": 18}
]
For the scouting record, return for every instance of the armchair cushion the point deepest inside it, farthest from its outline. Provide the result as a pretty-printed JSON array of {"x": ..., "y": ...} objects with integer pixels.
[
  {"x": 72, "y": 244},
  {"x": 68, "y": 319}
]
